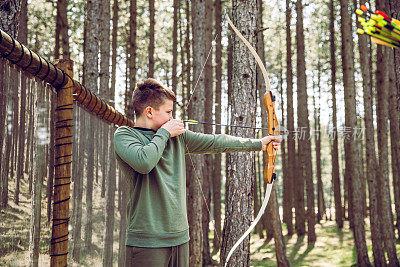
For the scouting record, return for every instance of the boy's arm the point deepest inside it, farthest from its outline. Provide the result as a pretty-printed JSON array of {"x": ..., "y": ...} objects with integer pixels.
[
  {"x": 142, "y": 158},
  {"x": 199, "y": 143}
]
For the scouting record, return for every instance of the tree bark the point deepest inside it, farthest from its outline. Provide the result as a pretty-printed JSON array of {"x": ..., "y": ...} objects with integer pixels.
[
  {"x": 175, "y": 51},
  {"x": 208, "y": 114},
  {"x": 382, "y": 110},
  {"x": 110, "y": 205},
  {"x": 91, "y": 77},
  {"x": 216, "y": 178},
  {"x": 196, "y": 110},
  {"x": 291, "y": 157},
  {"x": 62, "y": 29},
  {"x": 129, "y": 109},
  {"x": 370, "y": 154},
  {"x": 317, "y": 131},
  {"x": 395, "y": 13},
  {"x": 335, "y": 144},
  {"x": 34, "y": 233},
  {"x": 351, "y": 148},
  {"x": 104, "y": 85},
  {"x": 303, "y": 123},
  {"x": 151, "y": 39},
  {"x": 240, "y": 165},
  {"x": 9, "y": 16}
]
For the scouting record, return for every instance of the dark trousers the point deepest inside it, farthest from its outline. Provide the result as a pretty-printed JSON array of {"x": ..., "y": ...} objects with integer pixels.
[{"x": 177, "y": 256}]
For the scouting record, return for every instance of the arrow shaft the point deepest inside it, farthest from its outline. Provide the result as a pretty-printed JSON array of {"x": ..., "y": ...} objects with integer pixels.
[{"x": 226, "y": 125}]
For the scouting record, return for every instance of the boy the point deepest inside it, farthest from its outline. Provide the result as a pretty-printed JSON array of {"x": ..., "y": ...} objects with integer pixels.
[{"x": 152, "y": 158}]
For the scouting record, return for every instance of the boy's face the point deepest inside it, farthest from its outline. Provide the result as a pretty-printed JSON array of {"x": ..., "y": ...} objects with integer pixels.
[{"x": 163, "y": 114}]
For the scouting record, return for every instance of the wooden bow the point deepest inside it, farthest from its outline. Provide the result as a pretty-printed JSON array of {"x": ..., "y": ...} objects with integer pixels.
[{"x": 273, "y": 129}]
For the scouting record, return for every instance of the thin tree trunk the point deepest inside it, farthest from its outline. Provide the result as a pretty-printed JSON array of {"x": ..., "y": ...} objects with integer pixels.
[
  {"x": 129, "y": 109},
  {"x": 196, "y": 110},
  {"x": 304, "y": 126},
  {"x": 175, "y": 52},
  {"x": 291, "y": 157},
  {"x": 34, "y": 234},
  {"x": 188, "y": 54},
  {"x": 5, "y": 164},
  {"x": 110, "y": 205},
  {"x": 4, "y": 132},
  {"x": 62, "y": 29},
  {"x": 29, "y": 131},
  {"x": 351, "y": 148},
  {"x": 208, "y": 114},
  {"x": 91, "y": 76},
  {"x": 218, "y": 110},
  {"x": 53, "y": 104},
  {"x": 335, "y": 144},
  {"x": 108, "y": 176},
  {"x": 122, "y": 224},
  {"x": 370, "y": 154},
  {"x": 151, "y": 39},
  {"x": 317, "y": 111},
  {"x": 104, "y": 84}
]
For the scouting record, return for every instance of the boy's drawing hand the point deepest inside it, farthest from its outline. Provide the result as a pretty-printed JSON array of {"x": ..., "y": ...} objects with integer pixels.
[
  {"x": 276, "y": 140},
  {"x": 175, "y": 127}
]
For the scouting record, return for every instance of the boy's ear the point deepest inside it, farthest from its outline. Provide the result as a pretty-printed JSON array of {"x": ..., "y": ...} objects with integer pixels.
[{"x": 148, "y": 111}]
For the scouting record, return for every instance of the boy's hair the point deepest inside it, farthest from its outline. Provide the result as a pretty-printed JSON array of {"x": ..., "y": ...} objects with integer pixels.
[{"x": 152, "y": 93}]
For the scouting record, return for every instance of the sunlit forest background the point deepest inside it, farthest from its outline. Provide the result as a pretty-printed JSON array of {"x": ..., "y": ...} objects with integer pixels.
[{"x": 336, "y": 199}]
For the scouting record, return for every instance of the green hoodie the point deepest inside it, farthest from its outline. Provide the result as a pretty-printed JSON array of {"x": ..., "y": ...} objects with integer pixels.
[{"x": 153, "y": 165}]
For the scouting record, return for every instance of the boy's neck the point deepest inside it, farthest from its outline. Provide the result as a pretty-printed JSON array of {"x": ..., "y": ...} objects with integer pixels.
[{"x": 143, "y": 123}]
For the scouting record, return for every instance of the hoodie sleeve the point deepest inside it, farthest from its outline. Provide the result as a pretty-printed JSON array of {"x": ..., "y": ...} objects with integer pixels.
[
  {"x": 141, "y": 157},
  {"x": 199, "y": 143}
]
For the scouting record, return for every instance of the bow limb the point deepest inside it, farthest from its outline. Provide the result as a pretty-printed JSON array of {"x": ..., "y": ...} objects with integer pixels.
[{"x": 273, "y": 127}]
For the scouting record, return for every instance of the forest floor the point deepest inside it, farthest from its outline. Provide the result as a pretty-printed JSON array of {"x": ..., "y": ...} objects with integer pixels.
[{"x": 333, "y": 247}]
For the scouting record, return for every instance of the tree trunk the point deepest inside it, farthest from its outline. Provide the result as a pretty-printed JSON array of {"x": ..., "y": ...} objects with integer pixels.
[
  {"x": 110, "y": 205},
  {"x": 104, "y": 85},
  {"x": 9, "y": 16},
  {"x": 303, "y": 123},
  {"x": 370, "y": 154},
  {"x": 280, "y": 246},
  {"x": 240, "y": 165},
  {"x": 335, "y": 144},
  {"x": 129, "y": 109},
  {"x": 382, "y": 110},
  {"x": 34, "y": 233},
  {"x": 91, "y": 76},
  {"x": 218, "y": 110},
  {"x": 78, "y": 188},
  {"x": 5, "y": 164},
  {"x": 291, "y": 157},
  {"x": 394, "y": 140},
  {"x": 175, "y": 52},
  {"x": 196, "y": 110},
  {"x": 317, "y": 130},
  {"x": 395, "y": 13},
  {"x": 208, "y": 114},
  {"x": 62, "y": 28},
  {"x": 150, "y": 74},
  {"x": 50, "y": 180},
  {"x": 351, "y": 148}
]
